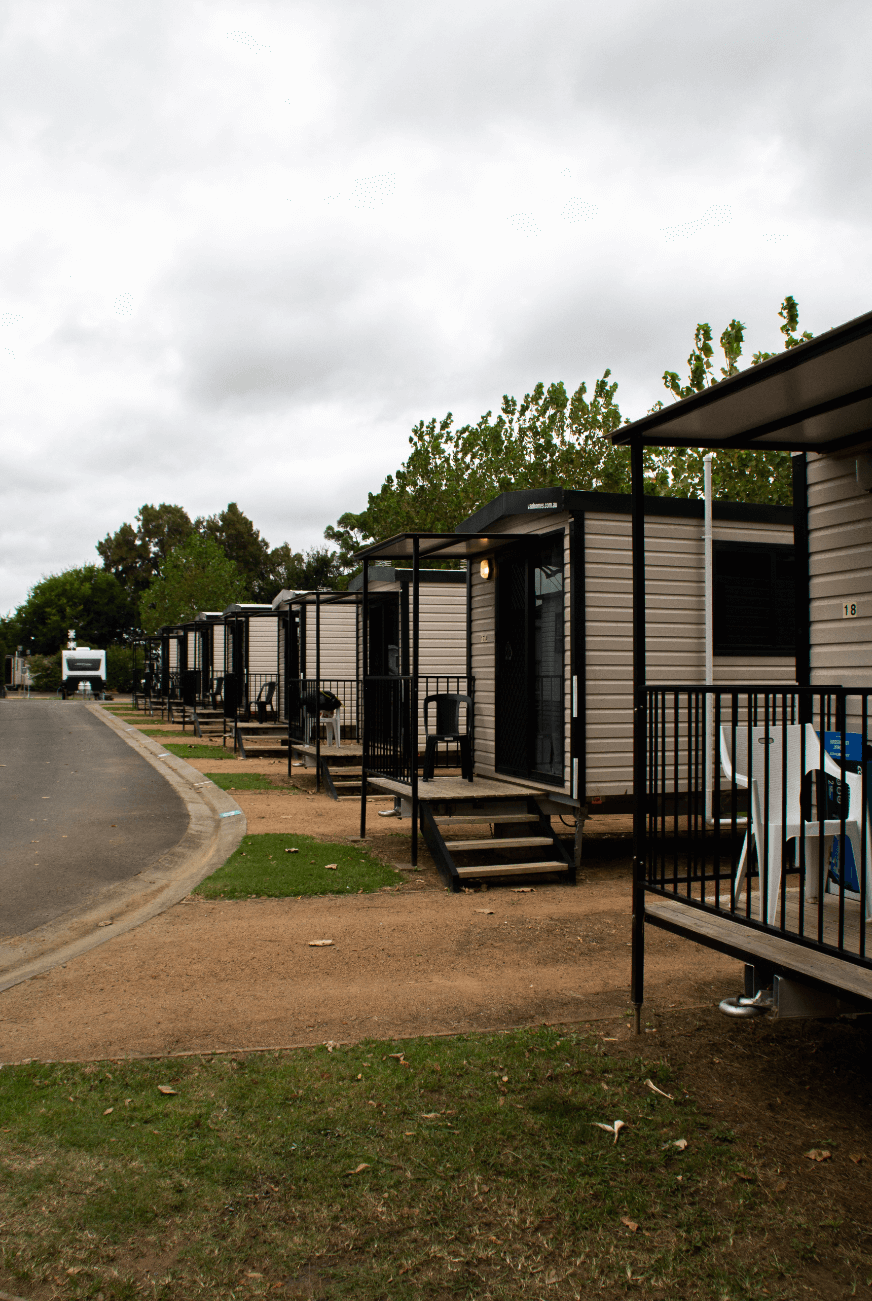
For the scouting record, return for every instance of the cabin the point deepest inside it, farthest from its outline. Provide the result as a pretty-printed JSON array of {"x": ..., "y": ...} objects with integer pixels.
[
  {"x": 324, "y": 660},
  {"x": 752, "y": 819},
  {"x": 549, "y": 655}
]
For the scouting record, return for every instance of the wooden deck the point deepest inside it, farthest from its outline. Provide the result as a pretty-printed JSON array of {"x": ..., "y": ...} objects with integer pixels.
[
  {"x": 719, "y": 931},
  {"x": 455, "y": 788}
]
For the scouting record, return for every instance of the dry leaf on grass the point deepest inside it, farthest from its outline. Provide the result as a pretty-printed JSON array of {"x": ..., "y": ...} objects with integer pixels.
[
  {"x": 857, "y": 1158},
  {"x": 819, "y": 1154},
  {"x": 331, "y": 867},
  {"x": 631, "y": 1224},
  {"x": 654, "y": 1089},
  {"x": 680, "y": 1143},
  {"x": 610, "y": 1129},
  {"x": 108, "y": 1111},
  {"x": 166, "y": 1088},
  {"x": 363, "y": 1166},
  {"x": 292, "y": 851},
  {"x": 319, "y": 944}
]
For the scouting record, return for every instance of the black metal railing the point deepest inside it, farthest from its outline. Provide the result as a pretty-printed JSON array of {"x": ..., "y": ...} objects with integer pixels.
[
  {"x": 395, "y": 722},
  {"x": 757, "y": 808}
]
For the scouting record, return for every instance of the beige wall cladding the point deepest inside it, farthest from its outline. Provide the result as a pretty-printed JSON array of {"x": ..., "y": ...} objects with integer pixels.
[
  {"x": 338, "y": 641},
  {"x": 263, "y": 645},
  {"x": 840, "y": 573},
  {"x": 675, "y": 629}
]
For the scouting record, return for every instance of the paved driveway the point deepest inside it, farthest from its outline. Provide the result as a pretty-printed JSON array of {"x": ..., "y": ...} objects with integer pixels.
[{"x": 79, "y": 810}]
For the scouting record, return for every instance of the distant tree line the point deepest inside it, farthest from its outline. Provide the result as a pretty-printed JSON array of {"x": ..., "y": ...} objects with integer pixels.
[{"x": 164, "y": 567}]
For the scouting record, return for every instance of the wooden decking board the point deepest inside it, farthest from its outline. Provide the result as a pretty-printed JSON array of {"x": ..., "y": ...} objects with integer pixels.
[
  {"x": 744, "y": 942},
  {"x": 468, "y": 819},
  {"x": 455, "y": 788},
  {"x": 513, "y": 869},
  {"x": 499, "y": 842}
]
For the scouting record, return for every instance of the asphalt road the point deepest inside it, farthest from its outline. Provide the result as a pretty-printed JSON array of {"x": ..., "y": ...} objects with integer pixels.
[{"x": 79, "y": 810}]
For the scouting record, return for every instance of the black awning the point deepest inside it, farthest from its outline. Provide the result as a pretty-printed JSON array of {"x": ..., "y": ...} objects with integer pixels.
[
  {"x": 816, "y": 397},
  {"x": 440, "y": 546}
]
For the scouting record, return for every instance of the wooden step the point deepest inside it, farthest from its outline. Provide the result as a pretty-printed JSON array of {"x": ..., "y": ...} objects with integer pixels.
[
  {"x": 513, "y": 869},
  {"x": 499, "y": 842},
  {"x": 456, "y": 819}
]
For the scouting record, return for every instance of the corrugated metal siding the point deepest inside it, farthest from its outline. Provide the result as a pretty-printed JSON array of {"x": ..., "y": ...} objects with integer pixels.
[
  {"x": 483, "y": 646},
  {"x": 840, "y": 572},
  {"x": 675, "y": 629}
]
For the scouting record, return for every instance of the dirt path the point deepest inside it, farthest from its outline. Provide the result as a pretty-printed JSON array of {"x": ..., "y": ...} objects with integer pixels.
[{"x": 214, "y": 975}]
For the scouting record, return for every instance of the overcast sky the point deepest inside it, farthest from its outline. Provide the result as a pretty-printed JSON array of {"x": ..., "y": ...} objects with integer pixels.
[{"x": 245, "y": 247}]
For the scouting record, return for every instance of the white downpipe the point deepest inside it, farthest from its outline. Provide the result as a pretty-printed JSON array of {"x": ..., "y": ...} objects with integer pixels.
[{"x": 709, "y": 640}]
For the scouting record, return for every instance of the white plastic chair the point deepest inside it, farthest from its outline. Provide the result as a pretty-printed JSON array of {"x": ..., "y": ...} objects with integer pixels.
[
  {"x": 776, "y": 815},
  {"x": 333, "y": 723}
]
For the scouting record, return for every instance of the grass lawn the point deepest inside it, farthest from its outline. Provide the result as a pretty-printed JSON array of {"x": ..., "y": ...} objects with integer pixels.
[
  {"x": 454, "y": 1168},
  {"x": 196, "y": 750},
  {"x": 246, "y": 781},
  {"x": 260, "y": 866}
]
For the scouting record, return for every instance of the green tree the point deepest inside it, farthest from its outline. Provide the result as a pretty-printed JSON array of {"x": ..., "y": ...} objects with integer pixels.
[
  {"x": 545, "y": 440},
  {"x": 195, "y": 576},
  {"x": 736, "y": 476},
  {"x": 242, "y": 544},
  {"x": 87, "y": 599},
  {"x": 318, "y": 569},
  {"x": 135, "y": 554}
]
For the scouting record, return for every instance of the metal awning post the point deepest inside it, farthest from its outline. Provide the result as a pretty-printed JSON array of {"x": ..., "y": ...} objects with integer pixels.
[
  {"x": 318, "y": 692},
  {"x": 416, "y": 584},
  {"x": 364, "y": 670},
  {"x": 640, "y": 732},
  {"x": 709, "y": 637}
]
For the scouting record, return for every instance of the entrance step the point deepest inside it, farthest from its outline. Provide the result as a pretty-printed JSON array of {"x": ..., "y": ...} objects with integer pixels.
[{"x": 551, "y": 857}]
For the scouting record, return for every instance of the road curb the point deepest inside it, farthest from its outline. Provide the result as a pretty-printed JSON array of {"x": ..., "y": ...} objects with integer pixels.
[{"x": 216, "y": 825}]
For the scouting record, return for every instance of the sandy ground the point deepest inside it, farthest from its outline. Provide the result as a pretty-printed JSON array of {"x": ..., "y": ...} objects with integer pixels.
[{"x": 212, "y": 976}]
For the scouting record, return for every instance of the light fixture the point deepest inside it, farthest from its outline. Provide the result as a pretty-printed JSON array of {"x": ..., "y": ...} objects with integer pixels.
[{"x": 486, "y": 568}]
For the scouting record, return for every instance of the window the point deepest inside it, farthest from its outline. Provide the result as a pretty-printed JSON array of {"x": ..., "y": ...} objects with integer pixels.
[{"x": 754, "y": 599}]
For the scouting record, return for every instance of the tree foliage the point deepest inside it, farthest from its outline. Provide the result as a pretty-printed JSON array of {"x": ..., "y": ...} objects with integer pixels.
[
  {"x": 135, "y": 554},
  {"x": 88, "y": 599},
  {"x": 195, "y": 576},
  {"x": 547, "y": 439},
  {"x": 736, "y": 475}
]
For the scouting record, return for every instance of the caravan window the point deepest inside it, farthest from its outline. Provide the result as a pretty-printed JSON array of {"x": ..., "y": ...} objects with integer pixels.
[{"x": 754, "y": 599}]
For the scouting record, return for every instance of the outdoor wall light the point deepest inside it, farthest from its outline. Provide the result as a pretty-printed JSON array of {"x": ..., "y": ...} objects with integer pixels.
[{"x": 486, "y": 569}]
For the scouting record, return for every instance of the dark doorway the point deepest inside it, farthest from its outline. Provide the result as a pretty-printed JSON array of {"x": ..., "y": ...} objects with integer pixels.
[
  {"x": 530, "y": 641},
  {"x": 384, "y": 634}
]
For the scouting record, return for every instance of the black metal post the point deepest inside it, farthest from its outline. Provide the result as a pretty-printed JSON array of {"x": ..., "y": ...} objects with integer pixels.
[
  {"x": 416, "y": 584},
  {"x": 364, "y": 670},
  {"x": 637, "y": 978},
  {"x": 799, "y": 469},
  {"x": 318, "y": 692},
  {"x": 469, "y": 691}
]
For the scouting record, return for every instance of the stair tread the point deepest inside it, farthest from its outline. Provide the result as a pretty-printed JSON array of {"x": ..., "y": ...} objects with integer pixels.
[
  {"x": 452, "y": 819},
  {"x": 513, "y": 869},
  {"x": 499, "y": 842}
]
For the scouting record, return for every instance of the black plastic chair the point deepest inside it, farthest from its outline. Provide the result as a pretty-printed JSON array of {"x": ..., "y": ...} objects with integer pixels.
[
  {"x": 447, "y": 732},
  {"x": 264, "y": 702}
]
